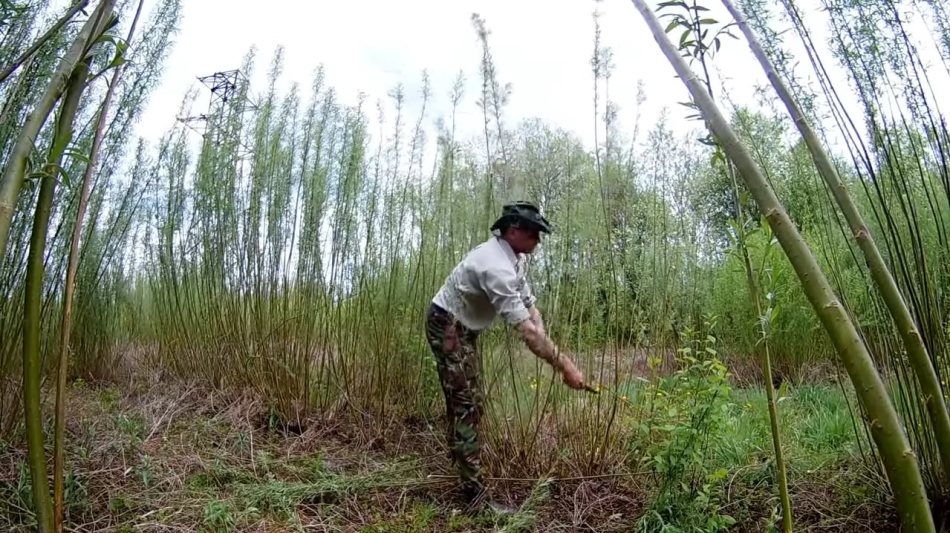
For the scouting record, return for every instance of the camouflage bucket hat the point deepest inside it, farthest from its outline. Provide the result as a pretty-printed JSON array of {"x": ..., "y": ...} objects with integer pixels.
[{"x": 522, "y": 215}]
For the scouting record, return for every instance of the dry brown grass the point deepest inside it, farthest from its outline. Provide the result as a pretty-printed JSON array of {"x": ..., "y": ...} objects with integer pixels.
[
  {"x": 154, "y": 453},
  {"x": 153, "y": 457}
]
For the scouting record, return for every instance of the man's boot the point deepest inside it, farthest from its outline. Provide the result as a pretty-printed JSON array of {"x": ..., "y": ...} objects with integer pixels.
[{"x": 477, "y": 499}]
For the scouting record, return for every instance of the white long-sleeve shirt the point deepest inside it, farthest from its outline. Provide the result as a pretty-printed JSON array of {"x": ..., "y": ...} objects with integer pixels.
[{"x": 489, "y": 281}]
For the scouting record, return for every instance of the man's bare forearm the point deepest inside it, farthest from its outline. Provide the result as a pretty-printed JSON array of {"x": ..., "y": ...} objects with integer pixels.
[
  {"x": 538, "y": 321},
  {"x": 539, "y": 343}
]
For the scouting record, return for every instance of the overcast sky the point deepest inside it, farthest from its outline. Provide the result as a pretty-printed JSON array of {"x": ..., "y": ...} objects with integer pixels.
[{"x": 541, "y": 47}]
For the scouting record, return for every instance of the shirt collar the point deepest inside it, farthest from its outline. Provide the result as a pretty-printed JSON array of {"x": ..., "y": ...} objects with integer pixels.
[{"x": 508, "y": 250}]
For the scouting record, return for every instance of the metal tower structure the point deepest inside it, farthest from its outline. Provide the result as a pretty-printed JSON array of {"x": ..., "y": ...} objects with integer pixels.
[{"x": 229, "y": 96}]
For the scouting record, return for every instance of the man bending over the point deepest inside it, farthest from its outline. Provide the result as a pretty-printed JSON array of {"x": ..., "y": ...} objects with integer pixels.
[{"x": 489, "y": 281}]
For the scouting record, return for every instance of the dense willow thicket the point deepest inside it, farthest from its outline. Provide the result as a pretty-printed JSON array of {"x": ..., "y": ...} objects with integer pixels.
[{"x": 293, "y": 251}]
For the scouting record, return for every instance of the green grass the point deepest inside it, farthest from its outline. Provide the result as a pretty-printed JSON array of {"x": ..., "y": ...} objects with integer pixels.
[{"x": 815, "y": 423}]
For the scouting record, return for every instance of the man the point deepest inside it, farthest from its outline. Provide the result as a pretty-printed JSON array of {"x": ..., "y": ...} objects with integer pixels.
[{"x": 489, "y": 281}]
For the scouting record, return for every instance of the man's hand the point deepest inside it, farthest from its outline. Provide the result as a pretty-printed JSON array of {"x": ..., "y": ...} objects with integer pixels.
[
  {"x": 572, "y": 376},
  {"x": 542, "y": 346}
]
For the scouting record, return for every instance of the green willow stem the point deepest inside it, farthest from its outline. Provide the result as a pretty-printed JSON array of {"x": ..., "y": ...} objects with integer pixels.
[
  {"x": 774, "y": 423},
  {"x": 69, "y": 289},
  {"x": 886, "y": 429},
  {"x": 916, "y": 350},
  {"x": 34, "y": 301},
  {"x": 755, "y": 295},
  {"x": 766, "y": 365},
  {"x": 16, "y": 168},
  {"x": 54, "y": 29}
]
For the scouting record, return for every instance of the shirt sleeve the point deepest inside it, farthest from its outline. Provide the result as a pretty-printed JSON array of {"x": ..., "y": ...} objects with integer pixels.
[
  {"x": 501, "y": 286},
  {"x": 527, "y": 295}
]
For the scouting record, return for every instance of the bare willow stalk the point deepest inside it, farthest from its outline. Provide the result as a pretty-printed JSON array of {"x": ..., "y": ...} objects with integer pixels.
[
  {"x": 33, "y": 301},
  {"x": 72, "y": 266},
  {"x": 916, "y": 350},
  {"x": 701, "y": 53},
  {"x": 766, "y": 362},
  {"x": 15, "y": 171},
  {"x": 54, "y": 29},
  {"x": 696, "y": 49},
  {"x": 899, "y": 459}
]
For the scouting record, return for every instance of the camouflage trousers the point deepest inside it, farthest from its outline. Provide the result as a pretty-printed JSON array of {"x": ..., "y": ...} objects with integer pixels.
[{"x": 456, "y": 356}]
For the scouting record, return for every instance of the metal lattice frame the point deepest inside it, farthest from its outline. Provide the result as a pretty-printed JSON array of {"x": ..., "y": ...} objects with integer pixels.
[{"x": 228, "y": 88}]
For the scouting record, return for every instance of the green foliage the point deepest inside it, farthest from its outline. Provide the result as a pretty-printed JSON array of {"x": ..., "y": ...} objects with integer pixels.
[
  {"x": 294, "y": 248},
  {"x": 690, "y": 410},
  {"x": 116, "y": 194},
  {"x": 218, "y": 516}
]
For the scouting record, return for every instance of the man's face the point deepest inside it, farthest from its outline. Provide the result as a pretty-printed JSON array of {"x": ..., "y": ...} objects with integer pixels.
[{"x": 524, "y": 241}]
